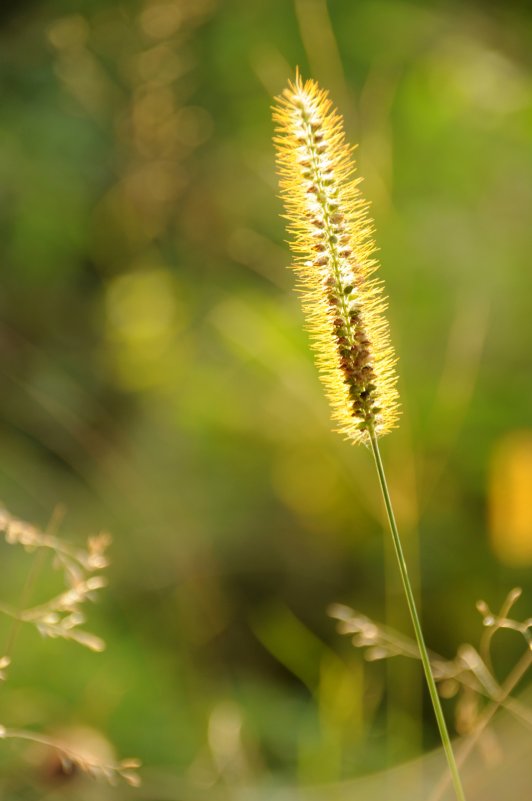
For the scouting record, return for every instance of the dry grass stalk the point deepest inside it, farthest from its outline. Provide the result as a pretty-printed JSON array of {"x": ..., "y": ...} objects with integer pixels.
[{"x": 62, "y": 616}]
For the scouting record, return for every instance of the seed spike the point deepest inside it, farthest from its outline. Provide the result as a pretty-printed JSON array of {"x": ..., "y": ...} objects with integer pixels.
[{"x": 334, "y": 259}]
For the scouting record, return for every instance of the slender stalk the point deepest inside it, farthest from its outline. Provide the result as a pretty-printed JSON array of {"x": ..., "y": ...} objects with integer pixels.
[{"x": 444, "y": 734}]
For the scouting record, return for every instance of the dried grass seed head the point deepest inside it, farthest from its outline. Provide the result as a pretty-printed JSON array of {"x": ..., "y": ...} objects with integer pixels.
[{"x": 331, "y": 239}]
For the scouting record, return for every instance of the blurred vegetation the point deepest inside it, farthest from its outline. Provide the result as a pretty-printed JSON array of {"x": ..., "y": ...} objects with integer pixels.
[{"x": 156, "y": 379}]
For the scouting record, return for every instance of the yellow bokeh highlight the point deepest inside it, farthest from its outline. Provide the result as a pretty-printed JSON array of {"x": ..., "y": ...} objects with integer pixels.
[
  {"x": 310, "y": 485},
  {"x": 160, "y": 20},
  {"x": 510, "y": 499},
  {"x": 143, "y": 317}
]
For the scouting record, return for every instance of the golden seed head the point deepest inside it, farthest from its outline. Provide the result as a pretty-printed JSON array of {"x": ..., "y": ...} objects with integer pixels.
[{"x": 331, "y": 240}]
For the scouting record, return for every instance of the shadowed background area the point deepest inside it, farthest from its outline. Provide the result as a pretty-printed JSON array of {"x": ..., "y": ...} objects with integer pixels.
[{"x": 157, "y": 383}]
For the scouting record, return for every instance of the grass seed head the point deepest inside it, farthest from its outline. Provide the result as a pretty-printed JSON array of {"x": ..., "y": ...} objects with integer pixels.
[{"x": 333, "y": 247}]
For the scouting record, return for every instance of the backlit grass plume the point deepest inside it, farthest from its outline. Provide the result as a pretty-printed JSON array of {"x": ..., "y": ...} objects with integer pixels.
[
  {"x": 344, "y": 306},
  {"x": 331, "y": 238}
]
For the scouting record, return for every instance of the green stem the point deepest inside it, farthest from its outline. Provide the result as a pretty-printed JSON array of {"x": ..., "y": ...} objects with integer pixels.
[{"x": 444, "y": 734}]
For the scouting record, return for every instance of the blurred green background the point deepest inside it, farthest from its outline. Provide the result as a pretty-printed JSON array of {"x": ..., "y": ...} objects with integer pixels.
[{"x": 156, "y": 378}]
